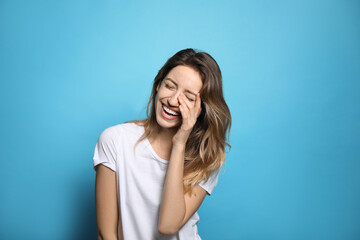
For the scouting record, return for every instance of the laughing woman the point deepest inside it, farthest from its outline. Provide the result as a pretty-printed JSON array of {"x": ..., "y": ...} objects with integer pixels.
[{"x": 153, "y": 174}]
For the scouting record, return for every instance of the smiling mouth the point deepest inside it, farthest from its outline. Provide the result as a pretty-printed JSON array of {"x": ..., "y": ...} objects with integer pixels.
[{"x": 170, "y": 112}]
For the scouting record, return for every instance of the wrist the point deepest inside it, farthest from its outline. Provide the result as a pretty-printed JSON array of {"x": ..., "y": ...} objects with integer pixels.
[
  {"x": 179, "y": 146},
  {"x": 181, "y": 137}
]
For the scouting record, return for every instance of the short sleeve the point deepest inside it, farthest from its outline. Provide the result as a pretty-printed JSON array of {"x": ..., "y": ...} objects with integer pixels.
[
  {"x": 105, "y": 151},
  {"x": 211, "y": 183}
]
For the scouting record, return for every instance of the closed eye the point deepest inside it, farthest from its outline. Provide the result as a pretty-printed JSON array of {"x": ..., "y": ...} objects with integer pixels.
[
  {"x": 168, "y": 86},
  {"x": 190, "y": 99}
]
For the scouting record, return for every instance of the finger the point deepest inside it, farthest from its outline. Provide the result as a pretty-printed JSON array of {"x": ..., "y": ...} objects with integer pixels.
[
  {"x": 184, "y": 111},
  {"x": 188, "y": 109},
  {"x": 183, "y": 103},
  {"x": 186, "y": 101}
]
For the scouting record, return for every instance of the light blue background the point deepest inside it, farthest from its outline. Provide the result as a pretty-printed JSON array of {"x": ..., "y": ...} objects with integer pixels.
[{"x": 291, "y": 70}]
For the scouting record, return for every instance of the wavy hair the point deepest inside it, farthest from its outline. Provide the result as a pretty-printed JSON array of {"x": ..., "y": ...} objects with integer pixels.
[{"x": 205, "y": 147}]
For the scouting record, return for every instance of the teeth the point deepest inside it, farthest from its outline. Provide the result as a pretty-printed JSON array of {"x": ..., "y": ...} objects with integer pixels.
[{"x": 170, "y": 111}]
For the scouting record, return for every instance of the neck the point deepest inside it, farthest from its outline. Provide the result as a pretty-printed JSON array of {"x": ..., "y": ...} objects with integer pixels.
[
  {"x": 162, "y": 142},
  {"x": 164, "y": 137}
]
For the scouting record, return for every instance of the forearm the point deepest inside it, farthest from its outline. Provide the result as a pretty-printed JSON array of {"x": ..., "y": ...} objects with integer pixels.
[{"x": 172, "y": 209}]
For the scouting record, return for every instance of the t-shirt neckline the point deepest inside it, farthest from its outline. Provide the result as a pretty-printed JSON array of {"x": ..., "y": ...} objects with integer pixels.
[{"x": 156, "y": 156}]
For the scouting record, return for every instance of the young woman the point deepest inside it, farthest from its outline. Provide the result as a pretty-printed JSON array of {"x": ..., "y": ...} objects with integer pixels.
[{"x": 153, "y": 174}]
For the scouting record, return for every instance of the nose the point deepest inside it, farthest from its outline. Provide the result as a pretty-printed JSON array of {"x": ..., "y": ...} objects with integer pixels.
[{"x": 173, "y": 100}]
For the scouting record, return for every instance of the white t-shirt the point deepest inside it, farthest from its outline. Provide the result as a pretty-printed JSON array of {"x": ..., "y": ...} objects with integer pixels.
[{"x": 140, "y": 178}]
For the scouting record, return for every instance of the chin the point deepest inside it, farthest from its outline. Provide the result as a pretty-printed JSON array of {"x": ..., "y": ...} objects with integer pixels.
[{"x": 165, "y": 124}]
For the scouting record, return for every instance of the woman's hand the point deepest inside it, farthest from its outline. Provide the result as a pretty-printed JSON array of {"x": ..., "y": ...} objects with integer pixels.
[{"x": 189, "y": 113}]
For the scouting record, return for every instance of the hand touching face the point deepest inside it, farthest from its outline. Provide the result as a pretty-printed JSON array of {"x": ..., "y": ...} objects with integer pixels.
[
  {"x": 189, "y": 111},
  {"x": 179, "y": 88}
]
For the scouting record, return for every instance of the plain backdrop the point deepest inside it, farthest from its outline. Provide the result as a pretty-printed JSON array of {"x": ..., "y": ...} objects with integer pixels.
[{"x": 291, "y": 77}]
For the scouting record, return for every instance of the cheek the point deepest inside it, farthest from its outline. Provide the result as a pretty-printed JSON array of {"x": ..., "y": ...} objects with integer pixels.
[{"x": 157, "y": 102}]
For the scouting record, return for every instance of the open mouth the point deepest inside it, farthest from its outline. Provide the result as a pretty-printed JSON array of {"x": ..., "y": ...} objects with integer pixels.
[{"x": 168, "y": 113}]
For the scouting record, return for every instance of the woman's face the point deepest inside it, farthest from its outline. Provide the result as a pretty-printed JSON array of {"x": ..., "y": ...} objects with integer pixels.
[{"x": 181, "y": 79}]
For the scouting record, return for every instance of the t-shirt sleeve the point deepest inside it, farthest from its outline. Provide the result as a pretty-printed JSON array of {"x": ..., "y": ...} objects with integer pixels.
[
  {"x": 105, "y": 151},
  {"x": 211, "y": 183}
]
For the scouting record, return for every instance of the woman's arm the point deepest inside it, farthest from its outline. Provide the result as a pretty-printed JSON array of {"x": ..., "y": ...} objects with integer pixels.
[
  {"x": 176, "y": 208},
  {"x": 106, "y": 204}
]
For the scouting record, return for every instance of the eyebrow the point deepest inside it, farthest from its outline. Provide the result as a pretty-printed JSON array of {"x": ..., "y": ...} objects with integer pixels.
[{"x": 167, "y": 78}]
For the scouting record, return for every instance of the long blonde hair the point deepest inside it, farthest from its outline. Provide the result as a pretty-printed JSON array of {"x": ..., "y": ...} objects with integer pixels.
[{"x": 205, "y": 148}]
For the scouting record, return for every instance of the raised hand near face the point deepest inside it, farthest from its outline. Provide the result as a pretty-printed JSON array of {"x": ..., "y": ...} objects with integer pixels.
[{"x": 189, "y": 111}]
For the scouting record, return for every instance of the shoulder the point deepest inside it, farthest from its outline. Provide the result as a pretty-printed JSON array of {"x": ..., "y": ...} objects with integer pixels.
[
  {"x": 111, "y": 132},
  {"x": 116, "y": 132},
  {"x": 123, "y": 128},
  {"x": 210, "y": 183},
  {"x": 132, "y": 128}
]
